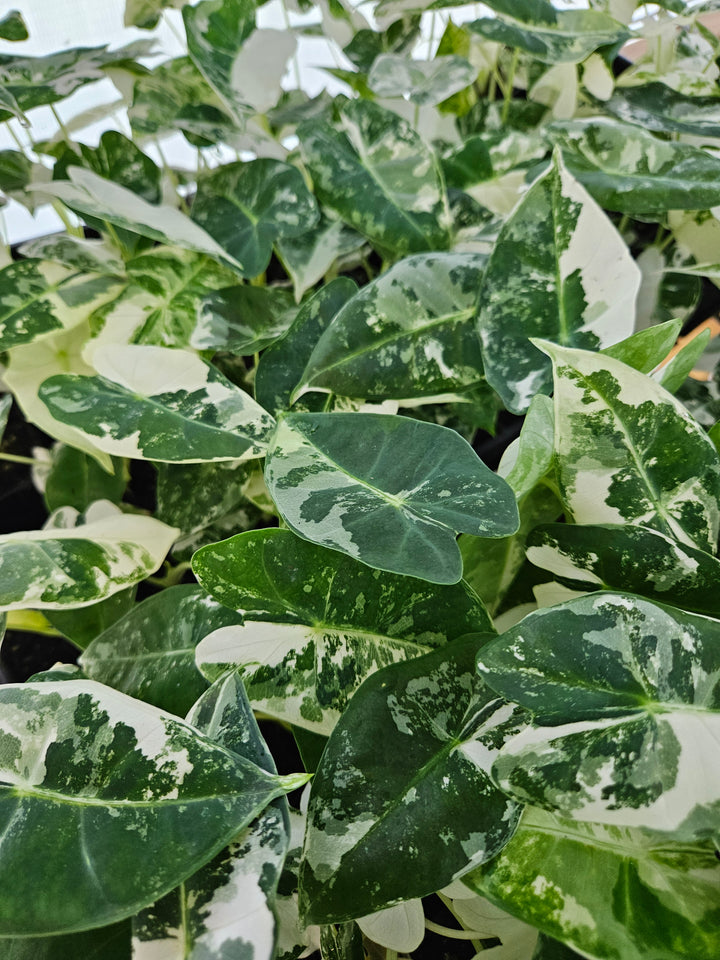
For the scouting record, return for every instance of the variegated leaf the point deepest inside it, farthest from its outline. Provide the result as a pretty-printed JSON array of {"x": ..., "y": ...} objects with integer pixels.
[
  {"x": 632, "y": 558},
  {"x": 224, "y": 910},
  {"x": 95, "y": 196},
  {"x": 152, "y": 403},
  {"x": 408, "y": 334},
  {"x": 150, "y": 653},
  {"x": 309, "y": 257},
  {"x": 647, "y": 348},
  {"x": 406, "y": 770},
  {"x": 146, "y": 13},
  {"x": 317, "y": 623},
  {"x": 626, "y": 168},
  {"x": 82, "y": 624},
  {"x": 656, "y": 106},
  {"x": 117, "y": 801},
  {"x": 569, "y": 38},
  {"x": 242, "y": 319},
  {"x": 75, "y": 566},
  {"x": 608, "y": 891},
  {"x": 389, "y": 491},
  {"x": 78, "y": 253},
  {"x": 420, "y": 81},
  {"x": 626, "y": 698},
  {"x": 216, "y": 31},
  {"x": 247, "y": 206},
  {"x": 617, "y": 438},
  {"x": 380, "y": 177},
  {"x": 281, "y": 366},
  {"x": 559, "y": 270}
]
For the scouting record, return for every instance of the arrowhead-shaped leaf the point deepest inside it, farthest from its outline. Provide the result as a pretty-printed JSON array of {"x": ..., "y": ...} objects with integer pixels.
[
  {"x": 626, "y": 695},
  {"x": 558, "y": 270},
  {"x": 386, "y": 490},
  {"x": 406, "y": 770},
  {"x": 153, "y": 403}
]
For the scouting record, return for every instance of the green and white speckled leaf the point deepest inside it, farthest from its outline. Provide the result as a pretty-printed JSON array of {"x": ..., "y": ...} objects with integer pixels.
[
  {"x": 242, "y": 319},
  {"x": 224, "y": 910},
  {"x": 608, "y": 891},
  {"x": 380, "y": 177},
  {"x": 626, "y": 697},
  {"x": 79, "y": 565},
  {"x": 86, "y": 256},
  {"x": 281, "y": 366},
  {"x": 626, "y": 168},
  {"x": 216, "y": 31},
  {"x": 389, "y": 491},
  {"x": 95, "y": 196},
  {"x": 152, "y": 403},
  {"x": 420, "y": 81},
  {"x": 309, "y": 257},
  {"x": 247, "y": 206},
  {"x": 116, "y": 801},
  {"x": 317, "y": 623},
  {"x": 656, "y": 106},
  {"x": 617, "y": 439},
  {"x": 632, "y": 558},
  {"x": 150, "y": 653},
  {"x": 104, "y": 943},
  {"x": 572, "y": 37},
  {"x": 559, "y": 270},
  {"x": 408, "y": 334},
  {"x": 407, "y": 770},
  {"x": 166, "y": 290}
]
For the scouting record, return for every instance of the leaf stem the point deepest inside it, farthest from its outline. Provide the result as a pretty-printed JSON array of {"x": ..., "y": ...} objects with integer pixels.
[
  {"x": 508, "y": 90},
  {"x": 58, "y": 119},
  {"x": 451, "y": 933},
  {"x": 16, "y": 458},
  {"x": 31, "y": 621},
  {"x": 173, "y": 575}
]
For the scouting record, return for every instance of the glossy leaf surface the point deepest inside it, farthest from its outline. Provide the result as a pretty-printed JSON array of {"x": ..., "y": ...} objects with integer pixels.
[
  {"x": 608, "y": 891},
  {"x": 150, "y": 653},
  {"x": 386, "y": 490},
  {"x": 618, "y": 437},
  {"x": 117, "y": 800},
  {"x": 656, "y": 106},
  {"x": 317, "y": 622},
  {"x": 417, "y": 739},
  {"x": 380, "y": 177},
  {"x": 405, "y": 335},
  {"x": 157, "y": 404},
  {"x": 626, "y": 695},
  {"x": 559, "y": 270},
  {"x": 420, "y": 81}
]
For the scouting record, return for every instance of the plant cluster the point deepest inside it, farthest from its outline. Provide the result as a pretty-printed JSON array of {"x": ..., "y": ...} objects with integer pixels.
[{"x": 505, "y": 684}]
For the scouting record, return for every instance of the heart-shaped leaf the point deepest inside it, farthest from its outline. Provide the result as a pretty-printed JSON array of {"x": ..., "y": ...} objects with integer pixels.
[
  {"x": 386, "y": 490},
  {"x": 420, "y": 81}
]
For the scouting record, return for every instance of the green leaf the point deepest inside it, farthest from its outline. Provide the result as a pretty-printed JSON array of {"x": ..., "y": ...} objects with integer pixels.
[
  {"x": 152, "y": 403},
  {"x": 647, "y": 348},
  {"x": 105, "y": 943},
  {"x": 628, "y": 169},
  {"x": 559, "y": 270},
  {"x": 386, "y": 490},
  {"x": 627, "y": 712},
  {"x": 146, "y": 13},
  {"x": 12, "y": 27},
  {"x": 332, "y": 620},
  {"x": 549, "y": 949},
  {"x": 109, "y": 803},
  {"x": 617, "y": 439},
  {"x": 380, "y": 177},
  {"x": 632, "y": 558},
  {"x": 407, "y": 335},
  {"x": 570, "y": 38},
  {"x": 528, "y": 460},
  {"x": 223, "y": 910},
  {"x": 82, "y": 624},
  {"x": 79, "y": 565},
  {"x": 242, "y": 319},
  {"x": 76, "y": 480},
  {"x": 150, "y": 653},
  {"x": 309, "y": 257},
  {"x": 95, "y": 196},
  {"x": 420, "y": 81},
  {"x": 406, "y": 770},
  {"x": 608, "y": 891},
  {"x": 216, "y": 31},
  {"x": 281, "y": 366},
  {"x": 676, "y": 372},
  {"x": 247, "y": 206},
  {"x": 656, "y": 106}
]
